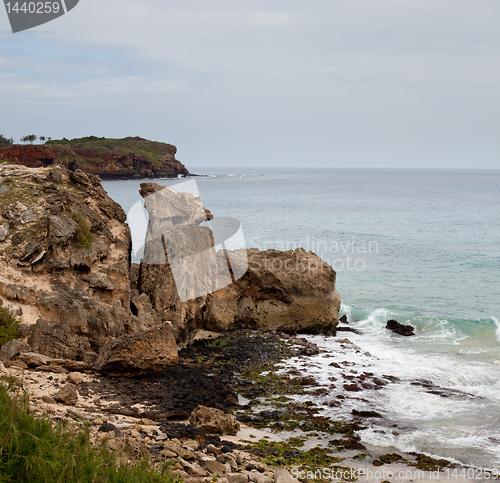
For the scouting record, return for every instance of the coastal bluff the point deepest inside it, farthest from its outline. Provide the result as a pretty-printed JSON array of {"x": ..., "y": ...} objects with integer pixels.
[
  {"x": 128, "y": 158},
  {"x": 66, "y": 273}
]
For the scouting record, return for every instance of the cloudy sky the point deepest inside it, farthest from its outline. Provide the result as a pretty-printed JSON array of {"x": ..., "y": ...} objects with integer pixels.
[{"x": 318, "y": 83}]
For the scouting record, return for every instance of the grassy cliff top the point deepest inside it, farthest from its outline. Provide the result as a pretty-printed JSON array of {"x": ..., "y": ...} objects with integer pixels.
[{"x": 149, "y": 149}]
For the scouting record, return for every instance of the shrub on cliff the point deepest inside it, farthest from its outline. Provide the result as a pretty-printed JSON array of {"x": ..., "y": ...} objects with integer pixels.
[
  {"x": 8, "y": 327},
  {"x": 37, "y": 450},
  {"x": 84, "y": 237}
]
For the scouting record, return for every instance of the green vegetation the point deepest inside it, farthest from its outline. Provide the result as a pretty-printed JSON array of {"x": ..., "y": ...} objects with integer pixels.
[
  {"x": 151, "y": 150},
  {"x": 5, "y": 141},
  {"x": 84, "y": 236},
  {"x": 34, "y": 450},
  {"x": 287, "y": 453},
  {"x": 8, "y": 327},
  {"x": 426, "y": 463}
]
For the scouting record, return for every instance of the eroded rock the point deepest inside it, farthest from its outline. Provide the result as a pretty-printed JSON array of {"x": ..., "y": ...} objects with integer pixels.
[
  {"x": 212, "y": 420},
  {"x": 400, "y": 329},
  {"x": 67, "y": 395},
  {"x": 149, "y": 351}
]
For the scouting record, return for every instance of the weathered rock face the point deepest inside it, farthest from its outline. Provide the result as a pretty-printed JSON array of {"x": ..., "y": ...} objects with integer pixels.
[
  {"x": 291, "y": 289},
  {"x": 137, "y": 354},
  {"x": 174, "y": 232},
  {"x": 110, "y": 159},
  {"x": 65, "y": 263},
  {"x": 65, "y": 267}
]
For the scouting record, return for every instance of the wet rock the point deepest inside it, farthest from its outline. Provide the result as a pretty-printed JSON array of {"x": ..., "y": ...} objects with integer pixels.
[
  {"x": 352, "y": 387},
  {"x": 146, "y": 352},
  {"x": 213, "y": 420},
  {"x": 366, "y": 414},
  {"x": 400, "y": 329},
  {"x": 343, "y": 319},
  {"x": 67, "y": 395}
]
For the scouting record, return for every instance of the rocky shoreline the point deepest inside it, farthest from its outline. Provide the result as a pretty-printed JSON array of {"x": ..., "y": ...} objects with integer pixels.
[
  {"x": 240, "y": 373},
  {"x": 114, "y": 347}
]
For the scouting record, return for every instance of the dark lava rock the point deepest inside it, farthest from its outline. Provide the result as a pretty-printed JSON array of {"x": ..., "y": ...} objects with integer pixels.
[
  {"x": 400, "y": 329},
  {"x": 343, "y": 319},
  {"x": 351, "y": 387},
  {"x": 366, "y": 414}
]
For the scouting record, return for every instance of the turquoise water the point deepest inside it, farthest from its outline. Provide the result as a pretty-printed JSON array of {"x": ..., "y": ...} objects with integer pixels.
[{"x": 420, "y": 246}]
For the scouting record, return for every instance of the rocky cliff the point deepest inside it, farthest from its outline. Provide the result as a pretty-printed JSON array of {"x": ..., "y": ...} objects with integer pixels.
[
  {"x": 65, "y": 270},
  {"x": 128, "y": 158}
]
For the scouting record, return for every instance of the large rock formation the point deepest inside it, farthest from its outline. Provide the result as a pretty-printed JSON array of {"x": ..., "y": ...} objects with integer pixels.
[
  {"x": 65, "y": 268},
  {"x": 293, "y": 290},
  {"x": 65, "y": 265},
  {"x": 128, "y": 158}
]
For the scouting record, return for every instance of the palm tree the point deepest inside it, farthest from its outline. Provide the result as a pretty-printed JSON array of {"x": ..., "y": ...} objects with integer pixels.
[
  {"x": 42, "y": 139},
  {"x": 32, "y": 138},
  {"x": 24, "y": 139}
]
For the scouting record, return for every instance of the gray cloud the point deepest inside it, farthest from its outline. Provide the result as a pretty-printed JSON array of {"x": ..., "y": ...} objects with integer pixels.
[{"x": 254, "y": 82}]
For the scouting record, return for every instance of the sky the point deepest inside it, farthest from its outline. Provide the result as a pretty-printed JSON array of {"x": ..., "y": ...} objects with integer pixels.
[{"x": 285, "y": 83}]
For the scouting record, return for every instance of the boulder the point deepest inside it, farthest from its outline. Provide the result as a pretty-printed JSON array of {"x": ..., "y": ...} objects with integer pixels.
[
  {"x": 67, "y": 395},
  {"x": 76, "y": 378},
  {"x": 400, "y": 329},
  {"x": 291, "y": 289},
  {"x": 149, "y": 351},
  {"x": 212, "y": 420}
]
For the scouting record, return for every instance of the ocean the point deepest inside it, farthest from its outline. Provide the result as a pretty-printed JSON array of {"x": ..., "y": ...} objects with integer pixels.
[{"x": 418, "y": 246}]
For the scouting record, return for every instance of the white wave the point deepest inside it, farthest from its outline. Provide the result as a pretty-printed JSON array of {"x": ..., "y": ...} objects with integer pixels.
[{"x": 498, "y": 326}]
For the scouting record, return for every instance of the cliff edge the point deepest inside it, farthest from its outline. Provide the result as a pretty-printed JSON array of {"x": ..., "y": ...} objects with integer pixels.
[{"x": 128, "y": 158}]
